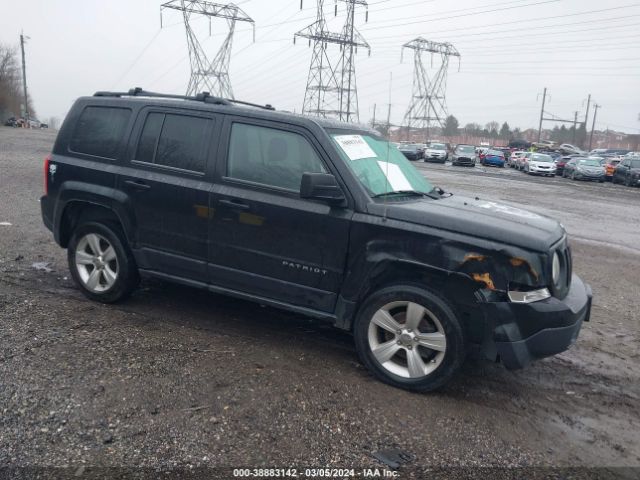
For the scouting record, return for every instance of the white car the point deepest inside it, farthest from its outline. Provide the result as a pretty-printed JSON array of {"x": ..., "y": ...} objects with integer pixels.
[
  {"x": 540, "y": 164},
  {"x": 436, "y": 152}
]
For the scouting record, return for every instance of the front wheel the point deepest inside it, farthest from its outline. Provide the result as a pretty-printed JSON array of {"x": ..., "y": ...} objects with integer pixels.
[
  {"x": 409, "y": 338},
  {"x": 100, "y": 262}
]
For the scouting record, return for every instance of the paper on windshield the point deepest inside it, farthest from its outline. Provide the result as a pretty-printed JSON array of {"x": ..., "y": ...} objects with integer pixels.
[
  {"x": 355, "y": 147},
  {"x": 396, "y": 178}
]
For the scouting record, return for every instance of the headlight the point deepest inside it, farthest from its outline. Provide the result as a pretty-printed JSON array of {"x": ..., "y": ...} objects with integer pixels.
[
  {"x": 529, "y": 297},
  {"x": 555, "y": 269}
]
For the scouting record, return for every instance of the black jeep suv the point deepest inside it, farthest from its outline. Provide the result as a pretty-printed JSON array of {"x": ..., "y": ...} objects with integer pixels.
[{"x": 315, "y": 216}]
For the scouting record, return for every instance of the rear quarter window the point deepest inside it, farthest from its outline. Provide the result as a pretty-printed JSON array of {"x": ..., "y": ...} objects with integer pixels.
[{"x": 100, "y": 131}]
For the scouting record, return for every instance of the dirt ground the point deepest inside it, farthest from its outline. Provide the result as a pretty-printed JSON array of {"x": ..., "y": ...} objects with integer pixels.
[{"x": 180, "y": 378}]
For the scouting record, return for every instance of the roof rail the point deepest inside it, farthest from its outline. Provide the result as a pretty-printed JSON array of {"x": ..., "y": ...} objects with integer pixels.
[{"x": 205, "y": 97}]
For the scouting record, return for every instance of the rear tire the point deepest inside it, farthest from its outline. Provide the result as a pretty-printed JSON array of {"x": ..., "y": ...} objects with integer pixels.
[
  {"x": 101, "y": 263},
  {"x": 409, "y": 337}
]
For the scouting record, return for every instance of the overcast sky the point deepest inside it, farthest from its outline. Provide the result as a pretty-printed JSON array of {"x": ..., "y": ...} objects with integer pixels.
[{"x": 510, "y": 51}]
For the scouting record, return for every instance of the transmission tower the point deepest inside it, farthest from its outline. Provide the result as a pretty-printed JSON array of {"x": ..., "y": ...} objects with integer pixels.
[
  {"x": 331, "y": 86},
  {"x": 209, "y": 75},
  {"x": 428, "y": 106}
]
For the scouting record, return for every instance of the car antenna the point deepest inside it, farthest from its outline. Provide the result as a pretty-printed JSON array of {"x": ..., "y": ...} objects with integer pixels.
[{"x": 386, "y": 175}]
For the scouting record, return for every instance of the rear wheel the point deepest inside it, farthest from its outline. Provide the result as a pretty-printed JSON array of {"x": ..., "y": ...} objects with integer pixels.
[
  {"x": 409, "y": 338},
  {"x": 101, "y": 263}
]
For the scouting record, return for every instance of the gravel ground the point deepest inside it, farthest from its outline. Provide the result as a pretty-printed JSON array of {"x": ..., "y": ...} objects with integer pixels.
[{"x": 179, "y": 378}]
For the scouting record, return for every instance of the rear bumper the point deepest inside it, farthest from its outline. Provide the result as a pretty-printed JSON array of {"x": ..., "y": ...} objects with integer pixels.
[
  {"x": 526, "y": 332},
  {"x": 47, "y": 212}
]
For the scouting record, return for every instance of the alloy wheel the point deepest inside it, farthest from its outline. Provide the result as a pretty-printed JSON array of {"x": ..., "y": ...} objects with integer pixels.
[
  {"x": 96, "y": 263},
  {"x": 407, "y": 339}
]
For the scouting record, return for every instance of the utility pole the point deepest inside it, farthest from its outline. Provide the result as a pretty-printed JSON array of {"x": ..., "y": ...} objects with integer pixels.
[
  {"x": 428, "y": 104},
  {"x": 209, "y": 75},
  {"x": 544, "y": 99},
  {"x": 575, "y": 123},
  {"x": 586, "y": 118},
  {"x": 593, "y": 126},
  {"x": 24, "y": 79},
  {"x": 374, "y": 116},
  {"x": 331, "y": 85}
]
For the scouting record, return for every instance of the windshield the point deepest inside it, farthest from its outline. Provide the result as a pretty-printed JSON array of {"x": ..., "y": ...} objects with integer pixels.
[
  {"x": 380, "y": 168},
  {"x": 466, "y": 149},
  {"x": 437, "y": 146},
  {"x": 589, "y": 163},
  {"x": 542, "y": 158},
  {"x": 497, "y": 153}
]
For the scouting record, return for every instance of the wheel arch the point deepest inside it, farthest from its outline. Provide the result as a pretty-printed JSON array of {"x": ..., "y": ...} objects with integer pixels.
[
  {"x": 79, "y": 202},
  {"x": 456, "y": 288}
]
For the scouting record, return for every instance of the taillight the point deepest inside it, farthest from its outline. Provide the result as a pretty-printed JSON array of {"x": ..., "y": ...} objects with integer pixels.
[{"x": 47, "y": 161}]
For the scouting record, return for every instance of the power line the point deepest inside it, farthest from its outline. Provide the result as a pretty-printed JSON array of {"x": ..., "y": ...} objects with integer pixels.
[{"x": 135, "y": 61}]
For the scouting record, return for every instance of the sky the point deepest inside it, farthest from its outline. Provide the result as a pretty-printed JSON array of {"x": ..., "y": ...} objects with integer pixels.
[{"x": 510, "y": 51}]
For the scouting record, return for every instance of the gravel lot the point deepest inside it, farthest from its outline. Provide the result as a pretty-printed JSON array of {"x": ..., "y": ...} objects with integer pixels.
[{"x": 179, "y": 378}]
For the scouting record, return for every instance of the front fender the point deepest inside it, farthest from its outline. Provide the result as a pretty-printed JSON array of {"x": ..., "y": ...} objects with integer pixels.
[{"x": 464, "y": 273}]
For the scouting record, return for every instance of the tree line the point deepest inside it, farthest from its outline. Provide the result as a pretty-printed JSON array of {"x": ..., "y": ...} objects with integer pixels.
[
  {"x": 490, "y": 130},
  {"x": 11, "y": 95}
]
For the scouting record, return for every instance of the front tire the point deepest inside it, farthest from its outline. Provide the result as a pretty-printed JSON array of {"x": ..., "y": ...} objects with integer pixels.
[
  {"x": 101, "y": 263},
  {"x": 409, "y": 337}
]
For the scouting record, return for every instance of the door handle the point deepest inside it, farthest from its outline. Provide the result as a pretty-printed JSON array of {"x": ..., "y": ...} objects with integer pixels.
[
  {"x": 137, "y": 184},
  {"x": 234, "y": 204}
]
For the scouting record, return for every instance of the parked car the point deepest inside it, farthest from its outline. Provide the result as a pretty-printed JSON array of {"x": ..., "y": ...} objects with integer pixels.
[
  {"x": 583, "y": 168},
  {"x": 11, "y": 122},
  {"x": 464, "y": 155},
  {"x": 436, "y": 152},
  {"x": 506, "y": 152},
  {"x": 522, "y": 161},
  {"x": 561, "y": 162},
  {"x": 598, "y": 151},
  {"x": 493, "y": 158},
  {"x": 610, "y": 165},
  {"x": 567, "y": 149},
  {"x": 321, "y": 218},
  {"x": 411, "y": 151},
  {"x": 628, "y": 172},
  {"x": 540, "y": 164},
  {"x": 545, "y": 145},
  {"x": 512, "y": 161}
]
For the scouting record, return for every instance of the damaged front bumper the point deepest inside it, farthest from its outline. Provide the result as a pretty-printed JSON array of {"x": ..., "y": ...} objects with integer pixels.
[{"x": 522, "y": 332}]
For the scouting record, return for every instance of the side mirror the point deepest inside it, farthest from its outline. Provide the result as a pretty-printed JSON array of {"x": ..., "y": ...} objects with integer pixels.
[{"x": 321, "y": 186}]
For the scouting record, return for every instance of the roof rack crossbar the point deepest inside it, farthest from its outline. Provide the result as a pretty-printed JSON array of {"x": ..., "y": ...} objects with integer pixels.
[
  {"x": 205, "y": 97},
  {"x": 240, "y": 102}
]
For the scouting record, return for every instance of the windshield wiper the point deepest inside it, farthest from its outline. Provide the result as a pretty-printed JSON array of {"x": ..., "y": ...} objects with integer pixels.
[{"x": 407, "y": 192}]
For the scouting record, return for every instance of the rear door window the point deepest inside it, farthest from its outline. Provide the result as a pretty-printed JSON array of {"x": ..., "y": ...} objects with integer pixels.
[
  {"x": 100, "y": 131},
  {"x": 173, "y": 140}
]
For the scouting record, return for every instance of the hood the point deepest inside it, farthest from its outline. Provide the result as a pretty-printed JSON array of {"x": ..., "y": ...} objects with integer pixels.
[
  {"x": 478, "y": 218},
  {"x": 433, "y": 150}
]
